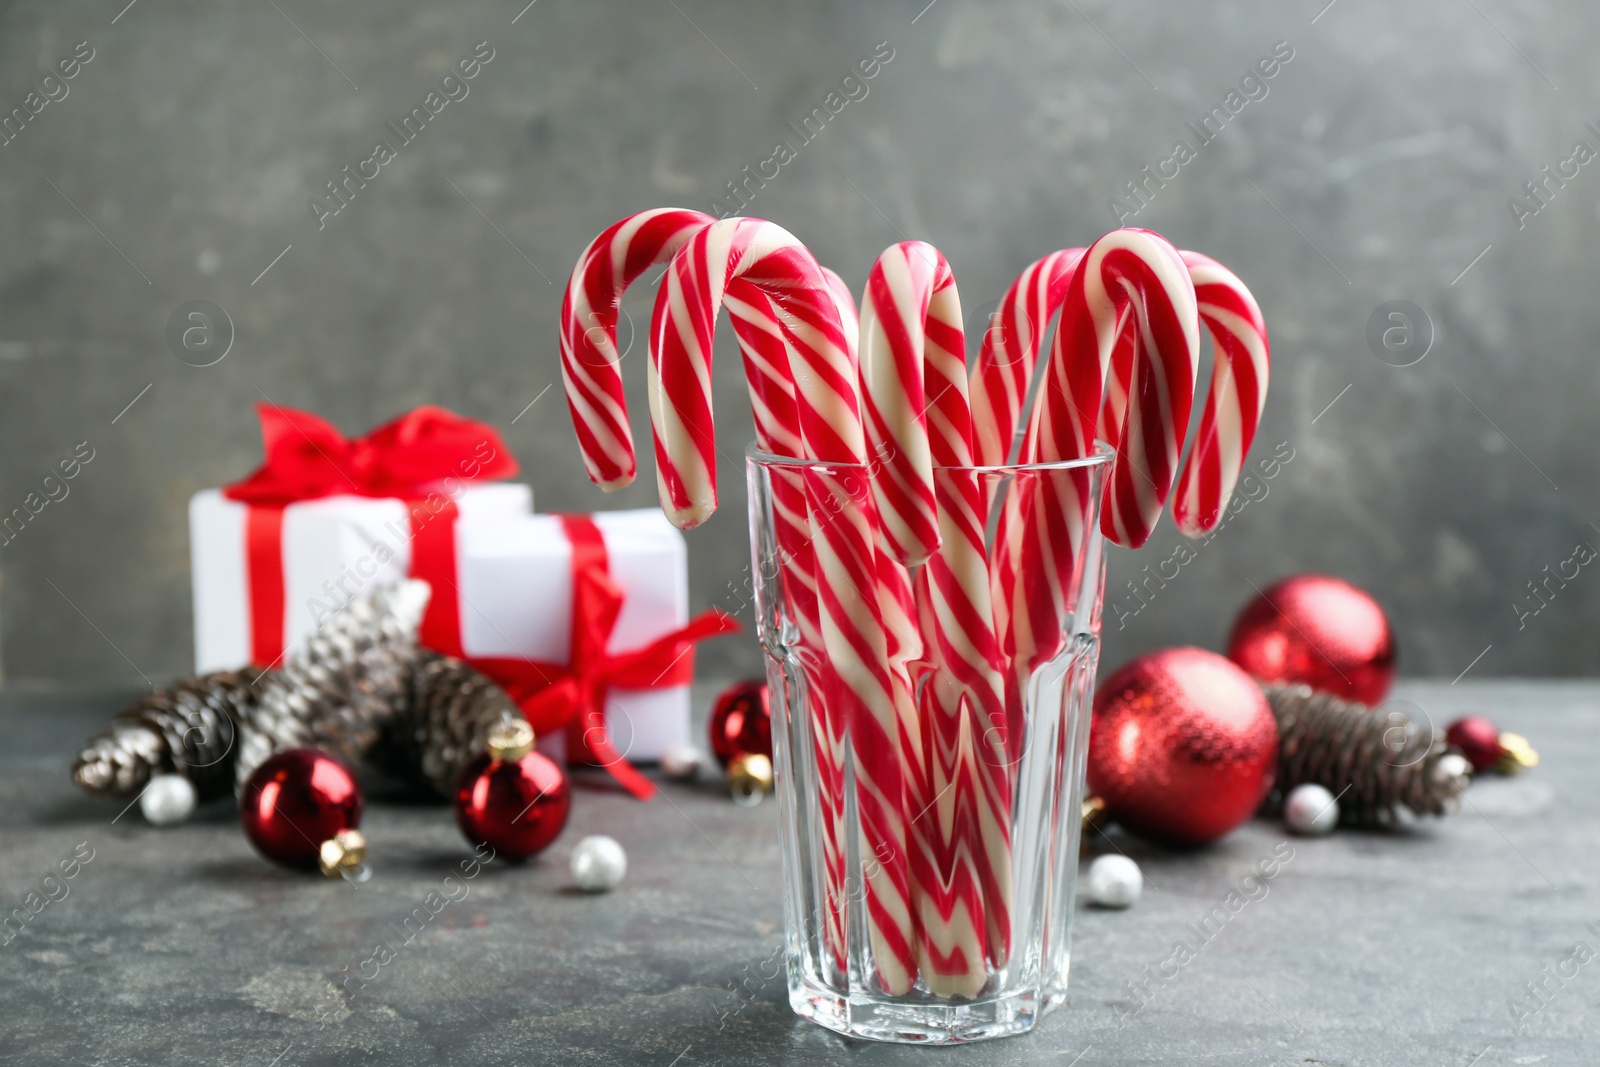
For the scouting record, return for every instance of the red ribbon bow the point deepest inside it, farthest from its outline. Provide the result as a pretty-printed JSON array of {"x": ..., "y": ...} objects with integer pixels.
[
  {"x": 307, "y": 458},
  {"x": 573, "y": 695}
]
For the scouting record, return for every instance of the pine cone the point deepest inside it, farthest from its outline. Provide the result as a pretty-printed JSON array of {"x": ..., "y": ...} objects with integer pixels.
[
  {"x": 1376, "y": 763},
  {"x": 188, "y": 728},
  {"x": 445, "y": 723},
  {"x": 339, "y": 691}
]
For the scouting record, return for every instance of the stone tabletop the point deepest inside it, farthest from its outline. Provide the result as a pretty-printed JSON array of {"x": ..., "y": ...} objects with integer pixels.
[{"x": 1462, "y": 941}]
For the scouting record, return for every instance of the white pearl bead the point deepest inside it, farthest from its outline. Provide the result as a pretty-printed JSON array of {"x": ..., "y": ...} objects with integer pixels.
[
  {"x": 681, "y": 762},
  {"x": 1115, "y": 882},
  {"x": 598, "y": 863},
  {"x": 1311, "y": 810},
  {"x": 168, "y": 800}
]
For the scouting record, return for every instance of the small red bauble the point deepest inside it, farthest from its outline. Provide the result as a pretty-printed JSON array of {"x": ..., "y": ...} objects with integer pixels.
[
  {"x": 1318, "y": 630},
  {"x": 1478, "y": 740},
  {"x": 741, "y": 722},
  {"x": 1183, "y": 746},
  {"x": 511, "y": 797},
  {"x": 298, "y": 802}
]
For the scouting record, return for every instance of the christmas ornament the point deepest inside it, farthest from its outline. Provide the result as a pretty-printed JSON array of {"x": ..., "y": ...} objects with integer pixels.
[
  {"x": 186, "y": 729},
  {"x": 1182, "y": 746},
  {"x": 1311, "y": 810},
  {"x": 741, "y": 722},
  {"x": 1477, "y": 738},
  {"x": 337, "y": 692},
  {"x": 1376, "y": 763},
  {"x": 446, "y": 719},
  {"x": 511, "y": 797},
  {"x": 168, "y": 800},
  {"x": 1318, "y": 630},
  {"x": 681, "y": 763},
  {"x": 598, "y": 863},
  {"x": 301, "y": 808},
  {"x": 749, "y": 778},
  {"x": 1115, "y": 882},
  {"x": 1486, "y": 748},
  {"x": 1516, "y": 755}
]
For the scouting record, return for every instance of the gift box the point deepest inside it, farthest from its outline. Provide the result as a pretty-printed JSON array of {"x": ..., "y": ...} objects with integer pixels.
[
  {"x": 333, "y": 550},
  {"x": 582, "y": 619},
  {"x": 517, "y": 582}
]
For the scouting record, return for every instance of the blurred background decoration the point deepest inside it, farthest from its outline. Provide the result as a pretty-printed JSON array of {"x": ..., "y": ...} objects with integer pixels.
[{"x": 1430, "y": 434}]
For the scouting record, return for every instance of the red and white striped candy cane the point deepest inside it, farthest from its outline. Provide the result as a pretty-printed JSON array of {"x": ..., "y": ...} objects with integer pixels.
[
  {"x": 1237, "y": 397},
  {"x": 1138, "y": 272},
  {"x": 591, "y": 372},
  {"x": 915, "y": 390},
  {"x": 756, "y": 322},
  {"x": 1009, "y": 352},
  {"x": 590, "y": 366},
  {"x": 1233, "y": 406},
  {"x": 1128, "y": 281},
  {"x": 683, "y": 326}
]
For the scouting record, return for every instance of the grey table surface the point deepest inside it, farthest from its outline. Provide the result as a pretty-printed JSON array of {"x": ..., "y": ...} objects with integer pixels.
[{"x": 180, "y": 946}]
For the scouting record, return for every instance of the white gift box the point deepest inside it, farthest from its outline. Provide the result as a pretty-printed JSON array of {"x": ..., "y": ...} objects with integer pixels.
[
  {"x": 514, "y": 578},
  {"x": 516, "y": 601}
]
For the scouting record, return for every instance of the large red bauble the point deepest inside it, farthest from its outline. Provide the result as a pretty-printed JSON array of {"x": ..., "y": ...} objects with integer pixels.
[
  {"x": 1318, "y": 630},
  {"x": 517, "y": 806},
  {"x": 1183, "y": 746},
  {"x": 741, "y": 722},
  {"x": 297, "y": 800}
]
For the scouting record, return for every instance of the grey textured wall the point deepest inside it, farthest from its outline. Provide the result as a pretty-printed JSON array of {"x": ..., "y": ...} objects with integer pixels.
[{"x": 1378, "y": 166}]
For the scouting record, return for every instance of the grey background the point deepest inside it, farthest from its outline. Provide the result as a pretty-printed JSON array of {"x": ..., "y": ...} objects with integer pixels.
[{"x": 1377, "y": 168}]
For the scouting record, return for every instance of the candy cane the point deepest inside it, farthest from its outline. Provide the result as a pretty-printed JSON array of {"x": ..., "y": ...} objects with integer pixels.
[
  {"x": 1137, "y": 271},
  {"x": 771, "y": 259},
  {"x": 1010, "y": 351},
  {"x": 590, "y": 365},
  {"x": 915, "y": 392},
  {"x": 1233, "y": 406},
  {"x": 1128, "y": 281},
  {"x": 591, "y": 372},
  {"x": 1237, "y": 397}
]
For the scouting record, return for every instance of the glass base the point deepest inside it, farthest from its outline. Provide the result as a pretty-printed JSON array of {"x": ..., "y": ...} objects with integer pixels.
[{"x": 907, "y": 1022}]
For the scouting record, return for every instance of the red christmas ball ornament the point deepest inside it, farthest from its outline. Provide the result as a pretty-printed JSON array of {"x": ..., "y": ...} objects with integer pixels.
[
  {"x": 741, "y": 722},
  {"x": 1318, "y": 630},
  {"x": 1478, "y": 739},
  {"x": 1183, "y": 746},
  {"x": 301, "y": 808},
  {"x": 511, "y": 797}
]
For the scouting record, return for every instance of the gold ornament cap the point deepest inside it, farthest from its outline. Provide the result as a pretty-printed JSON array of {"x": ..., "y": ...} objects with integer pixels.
[
  {"x": 1516, "y": 755},
  {"x": 749, "y": 778},
  {"x": 342, "y": 853},
  {"x": 510, "y": 740}
]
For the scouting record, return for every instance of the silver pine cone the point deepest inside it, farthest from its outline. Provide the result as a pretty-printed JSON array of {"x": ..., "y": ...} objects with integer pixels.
[
  {"x": 188, "y": 728},
  {"x": 338, "y": 691}
]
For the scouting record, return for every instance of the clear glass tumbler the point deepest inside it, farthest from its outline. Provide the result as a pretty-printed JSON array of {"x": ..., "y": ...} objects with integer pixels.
[{"x": 933, "y": 903}]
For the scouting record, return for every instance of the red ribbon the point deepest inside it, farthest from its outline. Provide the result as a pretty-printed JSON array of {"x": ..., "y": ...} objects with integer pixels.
[
  {"x": 573, "y": 695},
  {"x": 306, "y": 458}
]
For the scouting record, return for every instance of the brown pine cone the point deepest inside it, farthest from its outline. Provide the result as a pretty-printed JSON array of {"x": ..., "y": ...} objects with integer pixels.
[
  {"x": 188, "y": 728},
  {"x": 1377, "y": 763}
]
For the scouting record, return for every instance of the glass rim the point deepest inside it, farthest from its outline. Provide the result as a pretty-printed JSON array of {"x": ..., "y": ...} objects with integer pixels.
[{"x": 1102, "y": 456}]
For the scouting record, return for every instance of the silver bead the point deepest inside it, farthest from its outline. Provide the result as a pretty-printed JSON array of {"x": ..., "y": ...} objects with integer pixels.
[
  {"x": 1311, "y": 810},
  {"x": 1115, "y": 882},
  {"x": 681, "y": 762},
  {"x": 168, "y": 800},
  {"x": 598, "y": 863}
]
